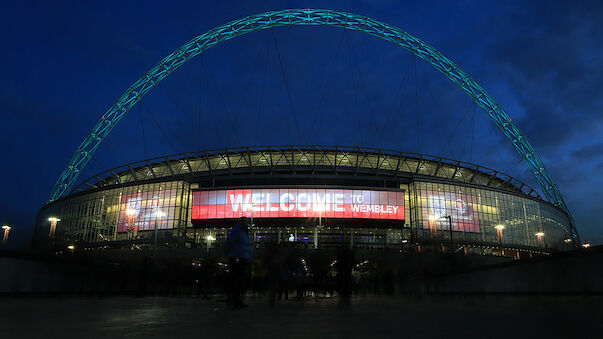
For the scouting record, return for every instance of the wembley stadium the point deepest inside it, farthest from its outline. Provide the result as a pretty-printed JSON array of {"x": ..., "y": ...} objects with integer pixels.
[
  {"x": 311, "y": 197},
  {"x": 306, "y": 197}
]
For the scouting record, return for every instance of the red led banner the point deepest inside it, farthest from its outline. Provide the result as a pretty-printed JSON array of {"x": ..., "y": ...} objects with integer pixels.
[{"x": 298, "y": 203}]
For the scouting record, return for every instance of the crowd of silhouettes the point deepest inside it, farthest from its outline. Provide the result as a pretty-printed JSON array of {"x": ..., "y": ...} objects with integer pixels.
[{"x": 277, "y": 272}]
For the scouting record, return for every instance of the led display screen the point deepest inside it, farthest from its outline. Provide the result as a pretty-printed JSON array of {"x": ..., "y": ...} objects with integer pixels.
[
  {"x": 460, "y": 207},
  {"x": 298, "y": 203},
  {"x": 140, "y": 211}
]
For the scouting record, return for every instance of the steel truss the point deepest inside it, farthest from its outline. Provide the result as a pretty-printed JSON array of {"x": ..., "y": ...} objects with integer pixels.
[
  {"x": 304, "y": 159},
  {"x": 300, "y": 17}
]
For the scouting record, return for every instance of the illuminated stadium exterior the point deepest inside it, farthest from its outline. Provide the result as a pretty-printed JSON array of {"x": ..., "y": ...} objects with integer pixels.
[{"x": 310, "y": 197}]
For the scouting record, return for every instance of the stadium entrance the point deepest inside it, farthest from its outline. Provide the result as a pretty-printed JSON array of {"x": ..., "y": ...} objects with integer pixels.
[{"x": 311, "y": 233}]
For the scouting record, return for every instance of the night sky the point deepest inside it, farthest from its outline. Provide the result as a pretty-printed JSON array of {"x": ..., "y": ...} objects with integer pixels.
[{"x": 65, "y": 63}]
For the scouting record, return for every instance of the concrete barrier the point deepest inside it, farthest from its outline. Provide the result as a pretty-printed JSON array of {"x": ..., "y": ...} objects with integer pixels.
[{"x": 578, "y": 273}]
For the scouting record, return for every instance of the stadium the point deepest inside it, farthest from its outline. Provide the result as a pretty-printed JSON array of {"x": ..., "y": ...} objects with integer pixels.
[
  {"x": 310, "y": 197},
  {"x": 307, "y": 197}
]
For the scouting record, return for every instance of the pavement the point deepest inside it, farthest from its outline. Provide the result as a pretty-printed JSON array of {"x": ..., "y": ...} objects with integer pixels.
[{"x": 427, "y": 317}]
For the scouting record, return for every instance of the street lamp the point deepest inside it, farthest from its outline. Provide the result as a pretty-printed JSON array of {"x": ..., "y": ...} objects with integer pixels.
[
  {"x": 435, "y": 218},
  {"x": 158, "y": 214},
  {"x": 433, "y": 229},
  {"x": 209, "y": 239},
  {"x": 251, "y": 226},
  {"x": 499, "y": 232},
  {"x": 540, "y": 235},
  {"x": 131, "y": 213},
  {"x": 53, "y": 225},
  {"x": 6, "y": 229},
  {"x": 316, "y": 229}
]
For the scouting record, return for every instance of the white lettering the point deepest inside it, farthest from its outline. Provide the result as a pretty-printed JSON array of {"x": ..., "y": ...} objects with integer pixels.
[
  {"x": 286, "y": 197},
  {"x": 338, "y": 206},
  {"x": 321, "y": 204},
  {"x": 256, "y": 199},
  {"x": 238, "y": 202},
  {"x": 357, "y": 199},
  {"x": 269, "y": 206},
  {"x": 303, "y": 207}
]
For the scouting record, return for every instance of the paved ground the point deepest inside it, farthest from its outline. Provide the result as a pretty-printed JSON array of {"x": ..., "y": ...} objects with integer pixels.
[{"x": 429, "y": 317}]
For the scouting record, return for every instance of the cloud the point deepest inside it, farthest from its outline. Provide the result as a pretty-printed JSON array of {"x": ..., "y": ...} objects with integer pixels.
[
  {"x": 547, "y": 53},
  {"x": 588, "y": 152}
]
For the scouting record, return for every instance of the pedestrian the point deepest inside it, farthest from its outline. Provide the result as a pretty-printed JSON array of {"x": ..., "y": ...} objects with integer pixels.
[
  {"x": 238, "y": 251},
  {"x": 272, "y": 264},
  {"x": 285, "y": 277},
  {"x": 344, "y": 265}
]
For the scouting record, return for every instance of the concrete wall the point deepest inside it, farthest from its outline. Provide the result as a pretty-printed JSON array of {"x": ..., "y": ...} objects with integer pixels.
[
  {"x": 27, "y": 276},
  {"x": 579, "y": 272},
  {"x": 128, "y": 272}
]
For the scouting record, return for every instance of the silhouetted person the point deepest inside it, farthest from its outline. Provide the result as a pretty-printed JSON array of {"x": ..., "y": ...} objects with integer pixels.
[
  {"x": 300, "y": 279},
  {"x": 285, "y": 277},
  {"x": 345, "y": 263},
  {"x": 206, "y": 275},
  {"x": 238, "y": 250},
  {"x": 272, "y": 264},
  {"x": 386, "y": 273},
  {"x": 319, "y": 265}
]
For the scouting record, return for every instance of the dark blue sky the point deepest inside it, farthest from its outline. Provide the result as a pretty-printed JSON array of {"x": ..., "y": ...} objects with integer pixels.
[{"x": 65, "y": 63}]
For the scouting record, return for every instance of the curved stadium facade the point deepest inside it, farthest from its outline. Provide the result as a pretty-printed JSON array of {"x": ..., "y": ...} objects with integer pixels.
[{"x": 308, "y": 197}]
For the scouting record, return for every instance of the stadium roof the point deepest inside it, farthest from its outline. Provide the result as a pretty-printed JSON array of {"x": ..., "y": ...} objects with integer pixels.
[{"x": 304, "y": 159}]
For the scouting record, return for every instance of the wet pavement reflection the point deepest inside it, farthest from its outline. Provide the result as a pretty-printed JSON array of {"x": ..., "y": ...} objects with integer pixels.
[{"x": 428, "y": 317}]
